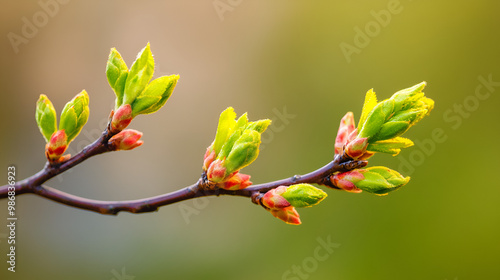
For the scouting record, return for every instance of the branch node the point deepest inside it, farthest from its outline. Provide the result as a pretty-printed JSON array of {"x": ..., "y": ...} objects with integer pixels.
[
  {"x": 353, "y": 164},
  {"x": 257, "y": 197},
  {"x": 296, "y": 178}
]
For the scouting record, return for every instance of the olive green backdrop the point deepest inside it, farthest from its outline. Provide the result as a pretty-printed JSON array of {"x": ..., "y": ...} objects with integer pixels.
[{"x": 302, "y": 63}]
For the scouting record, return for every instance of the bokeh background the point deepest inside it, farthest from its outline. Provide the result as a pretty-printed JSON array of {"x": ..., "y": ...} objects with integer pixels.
[{"x": 282, "y": 60}]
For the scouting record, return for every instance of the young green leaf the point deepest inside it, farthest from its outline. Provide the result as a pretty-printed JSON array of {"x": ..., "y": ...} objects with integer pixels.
[
  {"x": 391, "y": 146},
  {"x": 303, "y": 195},
  {"x": 224, "y": 129},
  {"x": 46, "y": 117},
  {"x": 116, "y": 72},
  {"x": 370, "y": 102},
  {"x": 155, "y": 95},
  {"x": 75, "y": 115},
  {"x": 259, "y": 126},
  {"x": 139, "y": 75},
  {"x": 244, "y": 151}
]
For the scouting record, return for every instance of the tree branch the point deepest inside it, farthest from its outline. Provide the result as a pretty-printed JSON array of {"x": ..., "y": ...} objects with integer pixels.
[
  {"x": 49, "y": 171},
  {"x": 34, "y": 185}
]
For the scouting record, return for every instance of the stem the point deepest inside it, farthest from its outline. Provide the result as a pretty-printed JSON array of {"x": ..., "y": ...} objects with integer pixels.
[
  {"x": 34, "y": 184},
  {"x": 199, "y": 189},
  {"x": 49, "y": 171}
]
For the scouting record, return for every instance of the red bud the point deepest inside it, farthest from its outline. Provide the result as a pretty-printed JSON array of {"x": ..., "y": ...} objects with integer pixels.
[
  {"x": 288, "y": 214},
  {"x": 56, "y": 146},
  {"x": 237, "y": 182},
  {"x": 208, "y": 158},
  {"x": 216, "y": 171},
  {"x": 357, "y": 147},
  {"x": 345, "y": 129},
  {"x": 127, "y": 139},
  {"x": 121, "y": 118},
  {"x": 273, "y": 199},
  {"x": 347, "y": 180}
]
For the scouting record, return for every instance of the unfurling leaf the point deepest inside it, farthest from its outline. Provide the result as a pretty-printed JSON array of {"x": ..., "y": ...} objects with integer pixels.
[
  {"x": 46, "y": 117},
  {"x": 75, "y": 115},
  {"x": 116, "y": 72}
]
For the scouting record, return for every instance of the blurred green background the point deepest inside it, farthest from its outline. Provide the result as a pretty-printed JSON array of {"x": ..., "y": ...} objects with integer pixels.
[{"x": 265, "y": 58}]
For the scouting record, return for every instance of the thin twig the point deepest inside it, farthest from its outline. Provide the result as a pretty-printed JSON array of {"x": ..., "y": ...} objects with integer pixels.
[{"x": 34, "y": 185}]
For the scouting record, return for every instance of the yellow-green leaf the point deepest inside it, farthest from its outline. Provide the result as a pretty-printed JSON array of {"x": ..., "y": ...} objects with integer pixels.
[
  {"x": 224, "y": 129},
  {"x": 370, "y": 102},
  {"x": 46, "y": 117},
  {"x": 139, "y": 75}
]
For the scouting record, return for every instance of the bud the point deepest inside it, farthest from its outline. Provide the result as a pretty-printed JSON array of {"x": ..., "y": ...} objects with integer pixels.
[
  {"x": 244, "y": 151},
  {"x": 281, "y": 201},
  {"x": 345, "y": 129},
  {"x": 236, "y": 145},
  {"x": 303, "y": 195},
  {"x": 356, "y": 148},
  {"x": 217, "y": 171},
  {"x": 208, "y": 158},
  {"x": 75, "y": 115},
  {"x": 378, "y": 180},
  {"x": 134, "y": 88},
  {"x": 406, "y": 98},
  {"x": 347, "y": 180},
  {"x": 382, "y": 123},
  {"x": 46, "y": 117},
  {"x": 288, "y": 214},
  {"x": 236, "y": 182},
  {"x": 127, "y": 139},
  {"x": 273, "y": 199},
  {"x": 121, "y": 118},
  {"x": 56, "y": 146}
]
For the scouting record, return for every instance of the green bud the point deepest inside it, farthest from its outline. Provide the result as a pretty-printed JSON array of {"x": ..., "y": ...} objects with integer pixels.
[
  {"x": 244, "y": 151},
  {"x": 407, "y": 116},
  {"x": 75, "y": 115},
  {"x": 116, "y": 72},
  {"x": 155, "y": 95},
  {"x": 236, "y": 145},
  {"x": 139, "y": 75},
  {"x": 381, "y": 180},
  {"x": 46, "y": 117},
  {"x": 392, "y": 117},
  {"x": 406, "y": 98},
  {"x": 303, "y": 195}
]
